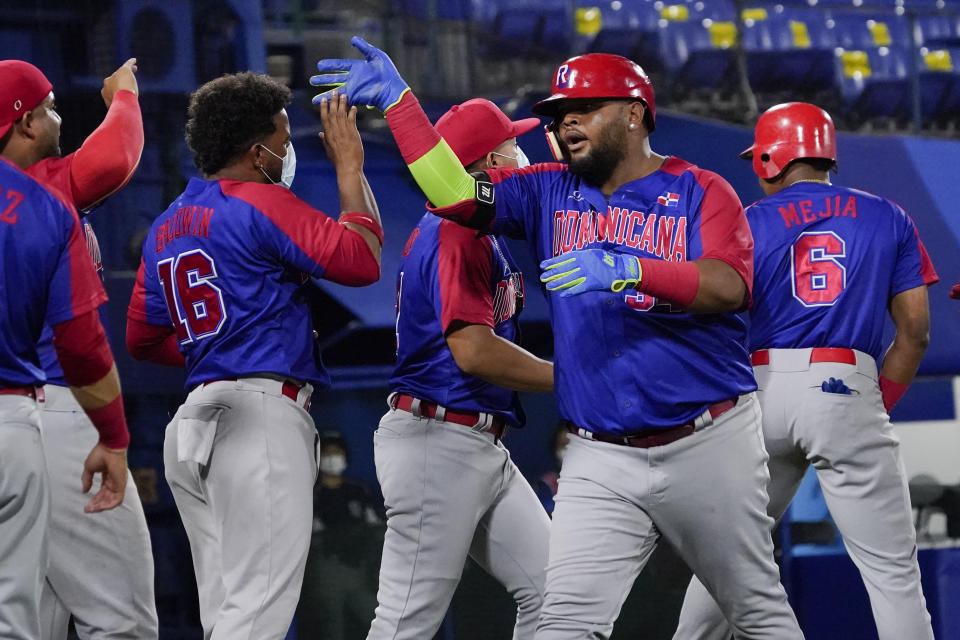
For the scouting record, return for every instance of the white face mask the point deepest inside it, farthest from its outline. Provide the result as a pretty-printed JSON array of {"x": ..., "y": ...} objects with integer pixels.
[
  {"x": 522, "y": 160},
  {"x": 289, "y": 166},
  {"x": 333, "y": 465}
]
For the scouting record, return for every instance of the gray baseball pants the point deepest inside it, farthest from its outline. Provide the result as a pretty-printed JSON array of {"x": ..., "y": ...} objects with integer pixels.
[
  {"x": 705, "y": 493},
  {"x": 101, "y": 564},
  {"x": 240, "y": 458},
  {"x": 24, "y": 509},
  {"x": 850, "y": 442},
  {"x": 450, "y": 492}
]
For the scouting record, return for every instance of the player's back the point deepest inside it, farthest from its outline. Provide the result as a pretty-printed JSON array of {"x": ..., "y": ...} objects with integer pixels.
[
  {"x": 35, "y": 230},
  {"x": 827, "y": 260},
  {"x": 231, "y": 279},
  {"x": 446, "y": 275}
]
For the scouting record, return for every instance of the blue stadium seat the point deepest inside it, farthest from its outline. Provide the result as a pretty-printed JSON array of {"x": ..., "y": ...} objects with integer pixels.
[
  {"x": 865, "y": 31},
  {"x": 622, "y": 28},
  {"x": 697, "y": 51},
  {"x": 873, "y": 81},
  {"x": 787, "y": 47},
  {"x": 939, "y": 29},
  {"x": 509, "y": 27},
  {"x": 939, "y": 71}
]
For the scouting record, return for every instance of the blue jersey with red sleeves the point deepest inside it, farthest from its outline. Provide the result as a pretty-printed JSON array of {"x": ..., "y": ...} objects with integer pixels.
[
  {"x": 828, "y": 259},
  {"x": 46, "y": 276},
  {"x": 226, "y": 265},
  {"x": 625, "y": 362},
  {"x": 448, "y": 275}
]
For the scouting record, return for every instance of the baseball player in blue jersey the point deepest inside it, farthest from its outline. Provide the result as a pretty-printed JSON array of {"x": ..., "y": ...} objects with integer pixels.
[
  {"x": 223, "y": 276},
  {"x": 46, "y": 277},
  {"x": 830, "y": 263},
  {"x": 650, "y": 258},
  {"x": 449, "y": 485},
  {"x": 100, "y": 567}
]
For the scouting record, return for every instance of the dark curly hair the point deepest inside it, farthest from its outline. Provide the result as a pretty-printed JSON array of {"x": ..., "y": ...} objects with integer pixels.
[{"x": 229, "y": 114}]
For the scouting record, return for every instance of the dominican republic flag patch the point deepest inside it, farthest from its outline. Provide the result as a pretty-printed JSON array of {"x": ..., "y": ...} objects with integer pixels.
[{"x": 669, "y": 199}]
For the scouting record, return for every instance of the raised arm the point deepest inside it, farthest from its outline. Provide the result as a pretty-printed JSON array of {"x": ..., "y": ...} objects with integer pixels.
[
  {"x": 374, "y": 81},
  {"x": 106, "y": 160},
  {"x": 358, "y": 208}
]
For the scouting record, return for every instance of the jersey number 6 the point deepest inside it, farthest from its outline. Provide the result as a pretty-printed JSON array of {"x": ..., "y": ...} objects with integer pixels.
[
  {"x": 194, "y": 302},
  {"x": 818, "y": 276}
]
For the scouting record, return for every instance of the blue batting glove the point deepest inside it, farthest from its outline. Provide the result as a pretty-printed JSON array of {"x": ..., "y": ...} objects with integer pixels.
[
  {"x": 373, "y": 81},
  {"x": 835, "y": 385},
  {"x": 577, "y": 272}
]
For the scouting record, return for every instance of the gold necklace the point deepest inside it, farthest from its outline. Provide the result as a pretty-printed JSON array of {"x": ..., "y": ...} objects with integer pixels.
[{"x": 811, "y": 180}]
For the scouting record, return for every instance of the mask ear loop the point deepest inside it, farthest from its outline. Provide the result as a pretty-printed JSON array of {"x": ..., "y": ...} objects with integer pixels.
[{"x": 552, "y": 141}]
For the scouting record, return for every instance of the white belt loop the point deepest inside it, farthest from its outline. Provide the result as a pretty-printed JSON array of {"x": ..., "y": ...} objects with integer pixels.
[
  {"x": 703, "y": 421},
  {"x": 415, "y": 408},
  {"x": 440, "y": 414},
  {"x": 484, "y": 422},
  {"x": 583, "y": 433},
  {"x": 392, "y": 400}
]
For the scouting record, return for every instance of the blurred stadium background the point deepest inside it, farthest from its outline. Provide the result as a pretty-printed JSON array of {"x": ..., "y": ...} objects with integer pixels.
[{"x": 889, "y": 72}]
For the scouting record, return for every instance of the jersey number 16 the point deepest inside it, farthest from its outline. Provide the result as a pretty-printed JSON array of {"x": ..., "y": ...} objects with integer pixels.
[{"x": 194, "y": 302}]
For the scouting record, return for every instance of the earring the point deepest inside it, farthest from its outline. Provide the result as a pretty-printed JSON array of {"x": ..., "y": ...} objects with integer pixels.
[{"x": 633, "y": 126}]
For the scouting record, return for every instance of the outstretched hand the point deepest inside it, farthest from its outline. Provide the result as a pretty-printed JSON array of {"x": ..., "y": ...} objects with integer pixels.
[
  {"x": 373, "y": 81},
  {"x": 340, "y": 136},
  {"x": 577, "y": 272}
]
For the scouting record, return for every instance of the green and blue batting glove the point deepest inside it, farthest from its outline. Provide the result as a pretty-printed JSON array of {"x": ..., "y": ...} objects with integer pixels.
[
  {"x": 578, "y": 272},
  {"x": 373, "y": 81}
]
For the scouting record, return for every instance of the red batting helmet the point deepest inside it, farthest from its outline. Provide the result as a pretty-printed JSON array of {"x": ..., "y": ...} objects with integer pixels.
[
  {"x": 599, "y": 75},
  {"x": 788, "y": 132}
]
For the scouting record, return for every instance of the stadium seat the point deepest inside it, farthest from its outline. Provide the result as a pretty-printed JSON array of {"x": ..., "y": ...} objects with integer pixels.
[
  {"x": 625, "y": 28},
  {"x": 862, "y": 31},
  {"x": 697, "y": 51},
  {"x": 939, "y": 71},
  {"x": 873, "y": 81},
  {"x": 509, "y": 27},
  {"x": 785, "y": 46}
]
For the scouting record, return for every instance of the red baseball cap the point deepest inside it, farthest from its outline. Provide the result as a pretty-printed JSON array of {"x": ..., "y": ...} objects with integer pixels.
[
  {"x": 22, "y": 88},
  {"x": 477, "y": 127}
]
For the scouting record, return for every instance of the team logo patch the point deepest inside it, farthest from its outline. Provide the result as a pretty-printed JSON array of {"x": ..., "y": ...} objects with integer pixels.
[
  {"x": 669, "y": 199},
  {"x": 563, "y": 76}
]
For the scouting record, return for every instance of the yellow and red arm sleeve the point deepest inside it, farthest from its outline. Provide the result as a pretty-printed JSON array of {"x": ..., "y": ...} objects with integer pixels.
[{"x": 449, "y": 188}]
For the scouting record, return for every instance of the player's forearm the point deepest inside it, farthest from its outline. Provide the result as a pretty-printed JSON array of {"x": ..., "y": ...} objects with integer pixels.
[
  {"x": 430, "y": 159},
  {"x": 703, "y": 286},
  {"x": 910, "y": 311},
  {"x": 109, "y": 156},
  {"x": 481, "y": 353},
  {"x": 903, "y": 358},
  {"x": 153, "y": 343},
  {"x": 720, "y": 288},
  {"x": 356, "y": 197},
  {"x": 89, "y": 369}
]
